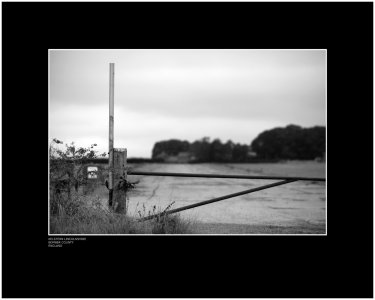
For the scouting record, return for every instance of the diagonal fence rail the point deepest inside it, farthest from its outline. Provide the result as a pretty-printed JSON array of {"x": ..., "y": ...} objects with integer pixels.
[{"x": 285, "y": 180}]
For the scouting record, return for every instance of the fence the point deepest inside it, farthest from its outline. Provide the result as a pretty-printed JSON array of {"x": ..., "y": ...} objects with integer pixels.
[
  {"x": 284, "y": 179},
  {"x": 120, "y": 197}
]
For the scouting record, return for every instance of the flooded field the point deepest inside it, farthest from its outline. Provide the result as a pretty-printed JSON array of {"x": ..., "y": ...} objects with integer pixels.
[{"x": 298, "y": 204}]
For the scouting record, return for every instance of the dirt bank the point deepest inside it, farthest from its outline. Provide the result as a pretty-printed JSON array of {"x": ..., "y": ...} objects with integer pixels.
[{"x": 220, "y": 228}]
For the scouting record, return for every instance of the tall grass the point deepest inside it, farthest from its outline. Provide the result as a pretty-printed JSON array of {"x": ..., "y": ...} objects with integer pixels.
[{"x": 83, "y": 214}]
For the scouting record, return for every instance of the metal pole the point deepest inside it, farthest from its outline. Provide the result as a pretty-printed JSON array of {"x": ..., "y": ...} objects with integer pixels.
[
  {"x": 172, "y": 211},
  {"x": 111, "y": 116},
  {"x": 223, "y": 176}
]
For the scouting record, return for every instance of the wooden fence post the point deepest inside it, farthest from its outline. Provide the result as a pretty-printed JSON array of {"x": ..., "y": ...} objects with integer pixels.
[{"x": 119, "y": 195}]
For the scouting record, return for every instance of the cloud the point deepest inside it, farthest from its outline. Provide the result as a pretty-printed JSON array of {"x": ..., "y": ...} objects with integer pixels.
[{"x": 186, "y": 94}]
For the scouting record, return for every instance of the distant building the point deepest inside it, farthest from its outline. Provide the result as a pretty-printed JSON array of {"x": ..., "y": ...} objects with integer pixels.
[
  {"x": 162, "y": 156},
  {"x": 182, "y": 157},
  {"x": 251, "y": 153}
]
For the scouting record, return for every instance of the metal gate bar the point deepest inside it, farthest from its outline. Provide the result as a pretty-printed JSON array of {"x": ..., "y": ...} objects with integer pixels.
[
  {"x": 223, "y": 176},
  {"x": 172, "y": 211}
]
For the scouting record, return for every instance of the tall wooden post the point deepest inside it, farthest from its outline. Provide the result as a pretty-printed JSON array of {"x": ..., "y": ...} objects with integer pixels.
[
  {"x": 119, "y": 195},
  {"x": 111, "y": 115}
]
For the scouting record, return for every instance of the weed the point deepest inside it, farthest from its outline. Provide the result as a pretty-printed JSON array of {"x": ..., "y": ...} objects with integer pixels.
[
  {"x": 82, "y": 214},
  {"x": 77, "y": 210}
]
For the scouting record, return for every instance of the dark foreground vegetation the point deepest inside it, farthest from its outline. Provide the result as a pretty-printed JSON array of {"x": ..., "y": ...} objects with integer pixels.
[
  {"x": 291, "y": 142},
  {"x": 83, "y": 215},
  {"x": 75, "y": 209}
]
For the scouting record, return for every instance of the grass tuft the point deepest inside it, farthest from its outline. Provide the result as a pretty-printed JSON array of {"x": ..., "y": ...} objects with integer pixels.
[{"x": 82, "y": 214}]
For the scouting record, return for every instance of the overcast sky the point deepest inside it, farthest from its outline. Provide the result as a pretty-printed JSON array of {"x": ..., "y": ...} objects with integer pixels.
[{"x": 183, "y": 94}]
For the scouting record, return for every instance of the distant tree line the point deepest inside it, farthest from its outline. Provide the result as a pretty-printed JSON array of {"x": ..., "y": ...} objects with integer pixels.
[
  {"x": 203, "y": 150},
  {"x": 291, "y": 142}
]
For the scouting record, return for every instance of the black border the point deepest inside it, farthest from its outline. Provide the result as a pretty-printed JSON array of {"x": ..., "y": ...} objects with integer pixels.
[{"x": 337, "y": 265}]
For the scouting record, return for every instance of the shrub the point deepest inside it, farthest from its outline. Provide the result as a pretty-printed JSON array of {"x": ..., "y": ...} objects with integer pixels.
[
  {"x": 72, "y": 211},
  {"x": 66, "y": 165}
]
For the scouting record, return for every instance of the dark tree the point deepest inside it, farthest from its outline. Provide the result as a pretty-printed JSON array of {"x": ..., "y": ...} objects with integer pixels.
[
  {"x": 291, "y": 142},
  {"x": 201, "y": 150},
  {"x": 240, "y": 153},
  {"x": 170, "y": 147}
]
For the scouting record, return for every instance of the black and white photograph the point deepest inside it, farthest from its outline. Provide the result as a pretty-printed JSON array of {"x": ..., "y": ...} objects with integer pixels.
[
  {"x": 187, "y": 141},
  {"x": 187, "y": 149}
]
